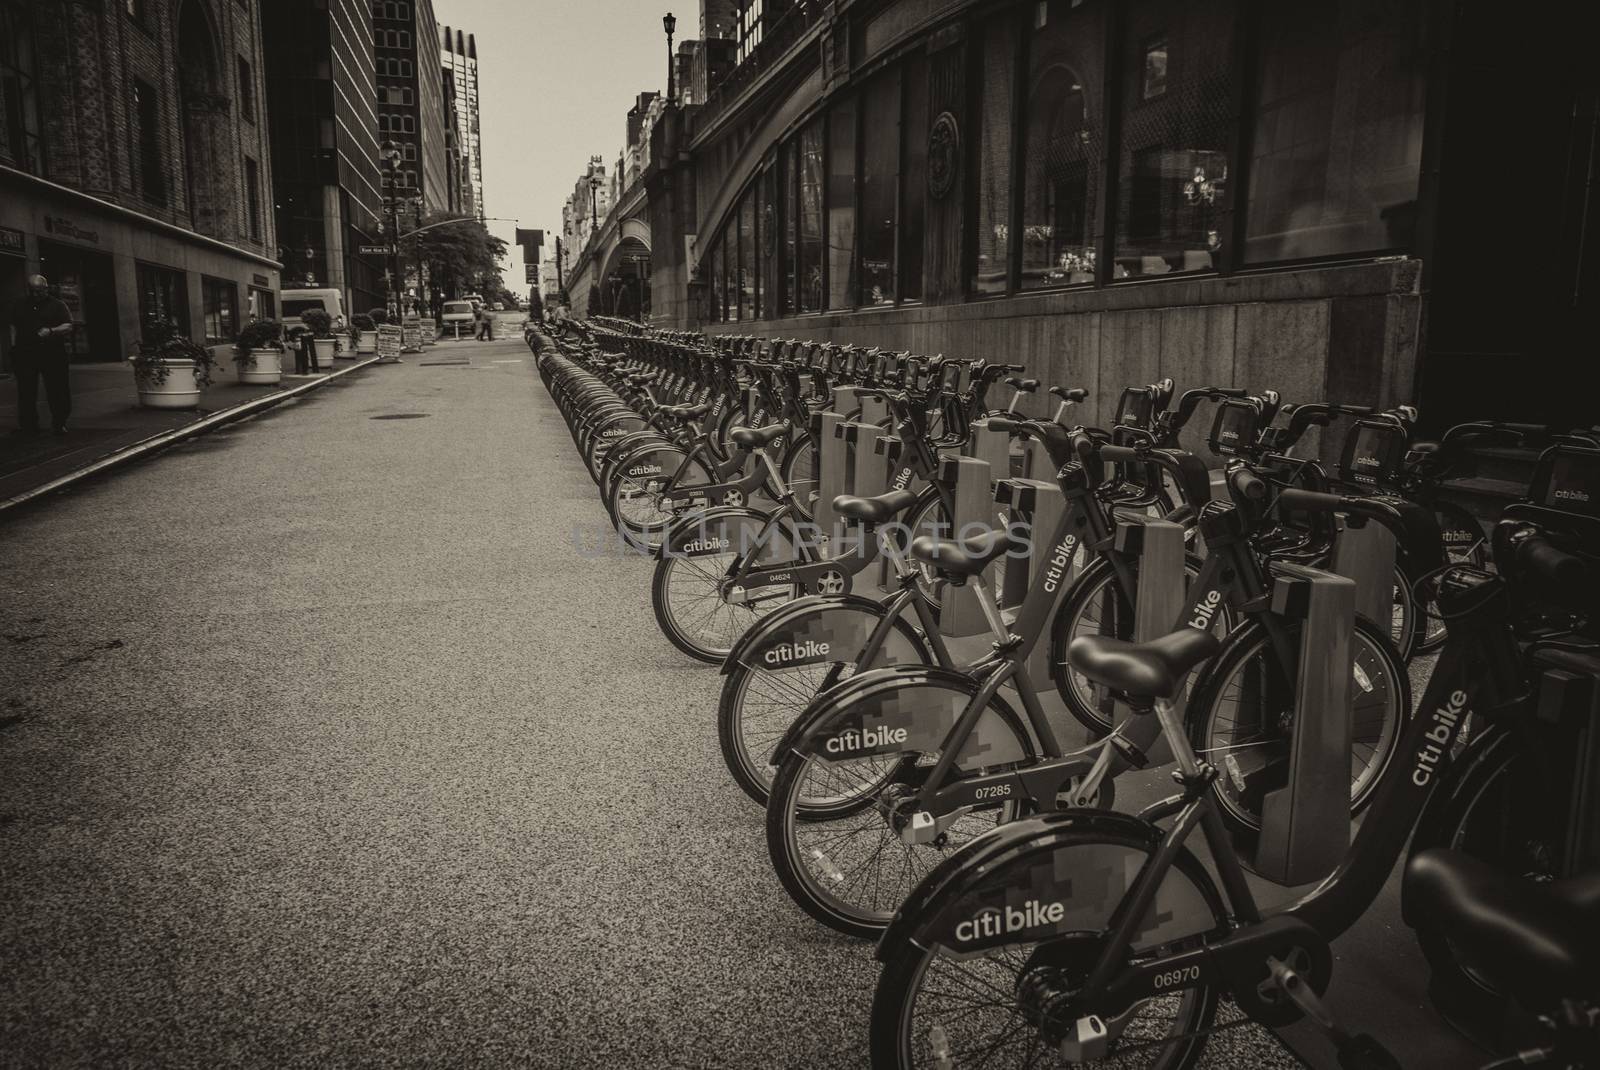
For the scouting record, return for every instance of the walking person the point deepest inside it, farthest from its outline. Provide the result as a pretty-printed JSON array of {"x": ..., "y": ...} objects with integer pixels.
[
  {"x": 485, "y": 321},
  {"x": 40, "y": 325}
]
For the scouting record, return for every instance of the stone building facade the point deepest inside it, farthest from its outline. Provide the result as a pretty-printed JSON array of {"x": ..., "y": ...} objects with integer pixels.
[{"x": 135, "y": 167}]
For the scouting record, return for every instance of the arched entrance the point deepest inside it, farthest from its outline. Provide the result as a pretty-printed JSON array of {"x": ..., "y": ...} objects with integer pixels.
[
  {"x": 625, "y": 284},
  {"x": 204, "y": 106}
]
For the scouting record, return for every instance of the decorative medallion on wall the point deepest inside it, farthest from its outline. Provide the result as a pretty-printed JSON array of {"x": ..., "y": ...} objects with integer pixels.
[
  {"x": 944, "y": 155},
  {"x": 769, "y": 229}
]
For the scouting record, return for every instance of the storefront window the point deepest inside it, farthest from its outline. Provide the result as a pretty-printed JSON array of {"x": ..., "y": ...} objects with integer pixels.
[
  {"x": 747, "y": 255},
  {"x": 1062, "y": 139},
  {"x": 768, "y": 304},
  {"x": 880, "y": 164},
  {"x": 809, "y": 268},
  {"x": 715, "y": 283},
  {"x": 1337, "y": 146},
  {"x": 163, "y": 301},
  {"x": 19, "y": 100},
  {"x": 730, "y": 272},
  {"x": 913, "y": 176},
  {"x": 994, "y": 158},
  {"x": 221, "y": 310},
  {"x": 842, "y": 205},
  {"x": 1173, "y": 201},
  {"x": 262, "y": 304}
]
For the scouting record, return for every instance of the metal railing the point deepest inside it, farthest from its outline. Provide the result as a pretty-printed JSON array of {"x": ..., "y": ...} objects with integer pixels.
[{"x": 777, "y": 37}]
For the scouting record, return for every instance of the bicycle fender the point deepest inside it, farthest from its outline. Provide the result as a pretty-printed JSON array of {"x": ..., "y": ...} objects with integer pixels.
[
  {"x": 803, "y": 619},
  {"x": 712, "y": 531},
  {"x": 1042, "y": 877},
  {"x": 904, "y": 707}
]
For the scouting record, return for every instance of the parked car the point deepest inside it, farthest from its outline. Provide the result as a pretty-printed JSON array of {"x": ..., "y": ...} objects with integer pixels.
[{"x": 456, "y": 313}]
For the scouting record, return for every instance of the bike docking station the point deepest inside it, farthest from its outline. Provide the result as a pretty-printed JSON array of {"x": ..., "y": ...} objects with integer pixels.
[{"x": 833, "y": 460}]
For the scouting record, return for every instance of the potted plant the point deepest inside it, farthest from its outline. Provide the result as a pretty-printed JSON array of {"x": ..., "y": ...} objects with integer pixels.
[
  {"x": 258, "y": 353},
  {"x": 321, "y": 327},
  {"x": 363, "y": 333},
  {"x": 171, "y": 371},
  {"x": 380, "y": 315}
]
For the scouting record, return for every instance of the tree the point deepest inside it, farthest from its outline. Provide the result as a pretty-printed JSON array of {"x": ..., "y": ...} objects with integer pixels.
[
  {"x": 535, "y": 304},
  {"x": 461, "y": 253}
]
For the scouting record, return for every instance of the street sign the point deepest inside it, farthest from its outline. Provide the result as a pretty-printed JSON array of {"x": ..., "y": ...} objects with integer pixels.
[
  {"x": 375, "y": 250},
  {"x": 531, "y": 272}
]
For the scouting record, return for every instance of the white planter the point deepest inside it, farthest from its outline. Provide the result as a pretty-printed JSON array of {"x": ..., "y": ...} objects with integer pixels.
[
  {"x": 368, "y": 342},
  {"x": 325, "y": 348},
  {"x": 180, "y": 391},
  {"x": 267, "y": 369}
]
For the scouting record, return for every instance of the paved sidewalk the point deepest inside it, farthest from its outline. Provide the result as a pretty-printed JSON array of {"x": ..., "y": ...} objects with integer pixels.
[{"x": 106, "y": 417}]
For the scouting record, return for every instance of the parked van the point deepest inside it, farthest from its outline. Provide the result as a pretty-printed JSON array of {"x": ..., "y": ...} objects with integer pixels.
[{"x": 294, "y": 302}]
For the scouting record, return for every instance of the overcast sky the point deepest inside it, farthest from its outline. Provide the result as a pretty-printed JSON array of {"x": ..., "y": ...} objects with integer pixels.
[{"x": 556, "y": 79}]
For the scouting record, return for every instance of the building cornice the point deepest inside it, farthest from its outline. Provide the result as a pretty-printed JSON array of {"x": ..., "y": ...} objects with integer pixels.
[{"x": 100, "y": 204}]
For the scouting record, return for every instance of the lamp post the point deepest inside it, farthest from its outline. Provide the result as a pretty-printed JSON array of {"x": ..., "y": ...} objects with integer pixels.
[
  {"x": 594, "y": 205},
  {"x": 669, "y": 24},
  {"x": 390, "y": 154}
]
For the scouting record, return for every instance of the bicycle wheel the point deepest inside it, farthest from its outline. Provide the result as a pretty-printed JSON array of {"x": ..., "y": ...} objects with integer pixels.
[
  {"x": 828, "y": 828},
  {"x": 1243, "y": 711},
  {"x": 934, "y": 1009},
  {"x": 799, "y": 471},
  {"x": 1095, "y": 605},
  {"x": 686, "y": 594},
  {"x": 760, "y": 702},
  {"x": 635, "y": 502},
  {"x": 1407, "y": 622}
]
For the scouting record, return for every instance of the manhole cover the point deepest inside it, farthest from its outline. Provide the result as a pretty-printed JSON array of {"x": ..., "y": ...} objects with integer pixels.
[{"x": 400, "y": 416}]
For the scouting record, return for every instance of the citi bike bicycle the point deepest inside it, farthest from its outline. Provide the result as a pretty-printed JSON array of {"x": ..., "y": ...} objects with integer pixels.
[{"x": 1089, "y": 937}]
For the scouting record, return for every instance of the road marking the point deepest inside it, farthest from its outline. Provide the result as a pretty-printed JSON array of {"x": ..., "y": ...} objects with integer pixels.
[{"x": 517, "y": 361}]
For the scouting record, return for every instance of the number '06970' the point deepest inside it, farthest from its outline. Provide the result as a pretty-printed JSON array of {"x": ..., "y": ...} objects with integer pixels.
[{"x": 1173, "y": 978}]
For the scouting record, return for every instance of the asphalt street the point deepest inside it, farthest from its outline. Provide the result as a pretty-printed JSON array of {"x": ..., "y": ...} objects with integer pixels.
[{"x": 330, "y": 739}]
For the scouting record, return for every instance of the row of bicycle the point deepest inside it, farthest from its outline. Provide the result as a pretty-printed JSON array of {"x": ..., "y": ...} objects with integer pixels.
[{"x": 1021, "y": 919}]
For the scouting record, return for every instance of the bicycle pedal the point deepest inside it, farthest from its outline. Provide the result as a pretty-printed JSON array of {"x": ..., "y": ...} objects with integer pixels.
[{"x": 1089, "y": 1041}]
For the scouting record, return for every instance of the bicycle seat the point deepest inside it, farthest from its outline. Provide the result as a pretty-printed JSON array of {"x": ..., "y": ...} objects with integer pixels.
[
  {"x": 640, "y": 379},
  {"x": 874, "y": 510},
  {"x": 1538, "y": 940},
  {"x": 752, "y": 438},
  {"x": 685, "y": 412},
  {"x": 964, "y": 557},
  {"x": 1142, "y": 670}
]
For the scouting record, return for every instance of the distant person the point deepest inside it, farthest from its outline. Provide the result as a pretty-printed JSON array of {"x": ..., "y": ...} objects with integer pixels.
[
  {"x": 485, "y": 323},
  {"x": 40, "y": 325}
]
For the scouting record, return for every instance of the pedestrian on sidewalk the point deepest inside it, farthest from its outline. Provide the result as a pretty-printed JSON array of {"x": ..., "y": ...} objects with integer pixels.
[
  {"x": 485, "y": 321},
  {"x": 40, "y": 325}
]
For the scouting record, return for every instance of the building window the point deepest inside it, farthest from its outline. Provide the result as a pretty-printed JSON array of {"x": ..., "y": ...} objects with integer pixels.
[
  {"x": 993, "y": 252},
  {"x": 1177, "y": 122},
  {"x": 409, "y": 151},
  {"x": 1337, "y": 146},
  {"x": 789, "y": 211},
  {"x": 842, "y": 205},
  {"x": 913, "y": 176},
  {"x": 252, "y": 192},
  {"x": 221, "y": 310},
  {"x": 404, "y": 11},
  {"x": 263, "y": 304},
  {"x": 163, "y": 301},
  {"x": 808, "y": 264},
  {"x": 750, "y": 26},
  {"x": 247, "y": 91},
  {"x": 1062, "y": 139},
  {"x": 880, "y": 163},
  {"x": 747, "y": 255},
  {"x": 405, "y": 68},
  {"x": 405, "y": 39},
  {"x": 383, "y": 123},
  {"x": 19, "y": 99},
  {"x": 147, "y": 113},
  {"x": 716, "y": 283}
]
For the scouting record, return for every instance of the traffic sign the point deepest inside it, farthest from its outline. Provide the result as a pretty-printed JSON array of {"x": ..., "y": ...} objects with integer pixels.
[
  {"x": 531, "y": 272},
  {"x": 375, "y": 250}
]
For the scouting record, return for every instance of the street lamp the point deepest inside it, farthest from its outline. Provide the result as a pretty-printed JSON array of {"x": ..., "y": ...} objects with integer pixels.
[
  {"x": 669, "y": 24},
  {"x": 390, "y": 154},
  {"x": 594, "y": 204}
]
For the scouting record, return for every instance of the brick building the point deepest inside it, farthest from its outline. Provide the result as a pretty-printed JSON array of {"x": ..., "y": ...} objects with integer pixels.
[{"x": 135, "y": 170}]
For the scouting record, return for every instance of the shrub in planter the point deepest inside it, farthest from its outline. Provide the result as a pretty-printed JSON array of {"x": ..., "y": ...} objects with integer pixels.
[
  {"x": 149, "y": 361},
  {"x": 360, "y": 324},
  {"x": 262, "y": 334},
  {"x": 320, "y": 322},
  {"x": 379, "y": 316}
]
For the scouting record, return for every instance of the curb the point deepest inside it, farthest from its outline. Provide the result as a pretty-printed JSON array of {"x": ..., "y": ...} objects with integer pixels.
[{"x": 161, "y": 441}]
